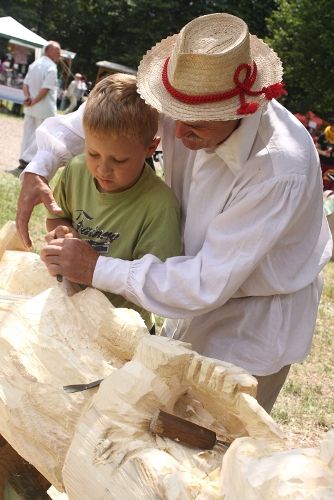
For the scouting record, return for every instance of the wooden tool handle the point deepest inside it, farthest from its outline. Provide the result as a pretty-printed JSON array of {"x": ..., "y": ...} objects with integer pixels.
[{"x": 167, "y": 425}]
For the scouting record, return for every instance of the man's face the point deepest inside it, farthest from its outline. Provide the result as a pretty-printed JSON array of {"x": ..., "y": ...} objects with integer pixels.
[
  {"x": 54, "y": 53},
  {"x": 116, "y": 162},
  {"x": 204, "y": 135}
]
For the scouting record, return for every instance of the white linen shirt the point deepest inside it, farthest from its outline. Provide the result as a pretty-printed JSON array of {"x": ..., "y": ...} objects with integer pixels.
[
  {"x": 42, "y": 74},
  {"x": 255, "y": 240}
]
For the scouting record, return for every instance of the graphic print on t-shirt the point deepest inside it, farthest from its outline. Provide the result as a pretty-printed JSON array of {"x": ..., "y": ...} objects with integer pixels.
[{"x": 96, "y": 236}]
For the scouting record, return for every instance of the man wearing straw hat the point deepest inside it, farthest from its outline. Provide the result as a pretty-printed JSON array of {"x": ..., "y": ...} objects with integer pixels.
[{"x": 247, "y": 175}]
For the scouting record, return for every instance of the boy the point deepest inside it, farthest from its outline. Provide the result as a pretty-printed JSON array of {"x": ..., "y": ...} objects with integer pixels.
[{"x": 110, "y": 197}]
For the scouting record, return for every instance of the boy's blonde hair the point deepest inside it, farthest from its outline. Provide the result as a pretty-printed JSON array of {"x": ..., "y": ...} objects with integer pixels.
[{"x": 114, "y": 105}]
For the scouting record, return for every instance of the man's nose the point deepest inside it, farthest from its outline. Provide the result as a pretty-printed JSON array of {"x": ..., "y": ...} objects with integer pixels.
[{"x": 181, "y": 129}]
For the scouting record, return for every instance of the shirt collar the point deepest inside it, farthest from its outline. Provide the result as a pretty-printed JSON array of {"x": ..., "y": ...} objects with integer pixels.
[{"x": 236, "y": 149}]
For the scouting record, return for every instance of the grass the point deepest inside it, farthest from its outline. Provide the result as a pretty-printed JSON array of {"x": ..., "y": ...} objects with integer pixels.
[
  {"x": 305, "y": 407},
  {"x": 6, "y": 107}
]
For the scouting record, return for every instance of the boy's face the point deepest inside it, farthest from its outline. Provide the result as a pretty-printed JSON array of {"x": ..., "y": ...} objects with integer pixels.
[{"x": 116, "y": 162}]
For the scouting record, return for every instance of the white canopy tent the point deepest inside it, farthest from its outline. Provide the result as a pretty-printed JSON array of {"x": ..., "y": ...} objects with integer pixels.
[
  {"x": 20, "y": 35},
  {"x": 17, "y": 34},
  {"x": 12, "y": 29}
]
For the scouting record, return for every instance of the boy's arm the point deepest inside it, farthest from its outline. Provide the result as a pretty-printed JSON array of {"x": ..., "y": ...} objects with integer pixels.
[{"x": 61, "y": 226}]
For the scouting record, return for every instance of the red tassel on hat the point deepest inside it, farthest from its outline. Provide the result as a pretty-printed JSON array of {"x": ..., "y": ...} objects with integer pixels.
[
  {"x": 248, "y": 108},
  {"x": 274, "y": 91}
]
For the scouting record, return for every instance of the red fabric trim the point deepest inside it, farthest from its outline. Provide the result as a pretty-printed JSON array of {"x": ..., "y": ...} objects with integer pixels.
[{"x": 242, "y": 88}]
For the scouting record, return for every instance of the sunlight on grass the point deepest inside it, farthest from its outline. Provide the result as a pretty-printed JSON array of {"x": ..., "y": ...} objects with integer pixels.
[
  {"x": 305, "y": 406},
  {"x": 9, "y": 189}
]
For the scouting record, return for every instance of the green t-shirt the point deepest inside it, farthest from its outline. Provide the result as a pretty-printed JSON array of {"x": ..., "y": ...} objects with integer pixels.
[{"x": 127, "y": 225}]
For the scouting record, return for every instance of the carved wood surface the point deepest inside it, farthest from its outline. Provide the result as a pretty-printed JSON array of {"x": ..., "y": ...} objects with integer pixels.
[
  {"x": 60, "y": 340},
  {"x": 259, "y": 469},
  {"x": 97, "y": 443}
]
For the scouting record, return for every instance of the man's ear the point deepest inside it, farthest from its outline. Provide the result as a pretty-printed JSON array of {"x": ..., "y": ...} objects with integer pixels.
[{"x": 153, "y": 146}]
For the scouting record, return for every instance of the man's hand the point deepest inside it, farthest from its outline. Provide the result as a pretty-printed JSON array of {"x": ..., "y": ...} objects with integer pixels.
[
  {"x": 35, "y": 189},
  {"x": 72, "y": 258},
  {"x": 27, "y": 101}
]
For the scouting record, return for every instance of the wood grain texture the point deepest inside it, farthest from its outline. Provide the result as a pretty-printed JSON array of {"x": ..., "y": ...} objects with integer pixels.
[
  {"x": 98, "y": 444},
  {"x": 104, "y": 432},
  {"x": 261, "y": 469}
]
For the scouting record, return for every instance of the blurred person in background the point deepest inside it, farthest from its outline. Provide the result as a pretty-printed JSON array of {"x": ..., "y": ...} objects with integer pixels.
[
  {"x": 40, "y": 98},
  {"x": 74, "y": 93}
]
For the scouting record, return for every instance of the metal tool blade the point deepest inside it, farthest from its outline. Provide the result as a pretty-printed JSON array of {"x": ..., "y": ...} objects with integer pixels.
[{"x": 81, "y": 387}]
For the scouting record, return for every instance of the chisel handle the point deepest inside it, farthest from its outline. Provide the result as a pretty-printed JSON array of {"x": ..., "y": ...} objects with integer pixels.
[{"x": 177, "y": 428}]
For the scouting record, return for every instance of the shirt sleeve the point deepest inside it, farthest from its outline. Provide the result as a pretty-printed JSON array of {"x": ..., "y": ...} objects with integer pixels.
[
  {"x": 26, "y": 80},
  {"x": 236, "y": 242},
  {"x": 50, "y": 80},
  {"x": 59, "y": 138}
]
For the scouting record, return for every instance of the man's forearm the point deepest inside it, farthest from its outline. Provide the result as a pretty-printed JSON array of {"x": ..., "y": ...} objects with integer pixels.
[
  {"x": 26, "y": 93},
  {"x": 25, "y": 90},
  {"x": 59, "y": 138},
  {"x": 41, "y": 94}
]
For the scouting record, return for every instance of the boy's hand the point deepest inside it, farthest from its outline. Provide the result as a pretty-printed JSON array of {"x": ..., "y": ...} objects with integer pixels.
[
  {"x": 61, "y": 232},
  {"x": 35, "y": 189},
  {"x": 72, "y": 258}
]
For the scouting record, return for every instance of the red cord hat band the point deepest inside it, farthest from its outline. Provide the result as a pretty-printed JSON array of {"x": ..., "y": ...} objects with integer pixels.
[{"x": 242, "y": 88}]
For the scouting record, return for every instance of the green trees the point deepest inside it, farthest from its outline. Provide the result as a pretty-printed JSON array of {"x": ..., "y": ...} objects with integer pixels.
[
  {"x": 123, "y": 30},
  {"x": 301, "y": 32}
]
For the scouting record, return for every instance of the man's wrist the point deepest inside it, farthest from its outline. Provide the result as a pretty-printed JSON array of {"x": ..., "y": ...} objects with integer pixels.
[{"x": 44, "y": 164}]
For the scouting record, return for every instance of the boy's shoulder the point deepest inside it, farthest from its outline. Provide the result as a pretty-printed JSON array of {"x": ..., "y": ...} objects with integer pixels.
[
  {"x": 77, "y": 162},
  {"x": 75, "y": 169},
  {"x": 157, "y": 186}
]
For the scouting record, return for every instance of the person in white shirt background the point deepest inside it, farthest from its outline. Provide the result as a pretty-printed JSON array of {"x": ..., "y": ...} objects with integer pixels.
[
  {"x": 247, "y": 175},
  {"x": 75, "y": 91},
  {"x": 40, "y": 98}
]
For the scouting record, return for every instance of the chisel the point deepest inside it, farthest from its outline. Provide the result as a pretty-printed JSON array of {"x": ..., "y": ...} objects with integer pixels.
[{"x": 167, "y": 425}]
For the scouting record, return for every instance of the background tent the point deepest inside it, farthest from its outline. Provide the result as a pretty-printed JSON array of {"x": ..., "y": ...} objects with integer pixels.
[
  {"x": 106, "y": 68},
  {"x": 12, "y": 29},
  {"x": 19, "y": 35}
]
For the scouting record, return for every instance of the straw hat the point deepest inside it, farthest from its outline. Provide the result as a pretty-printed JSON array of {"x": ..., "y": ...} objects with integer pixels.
[{"x": 212, "y": 70}]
